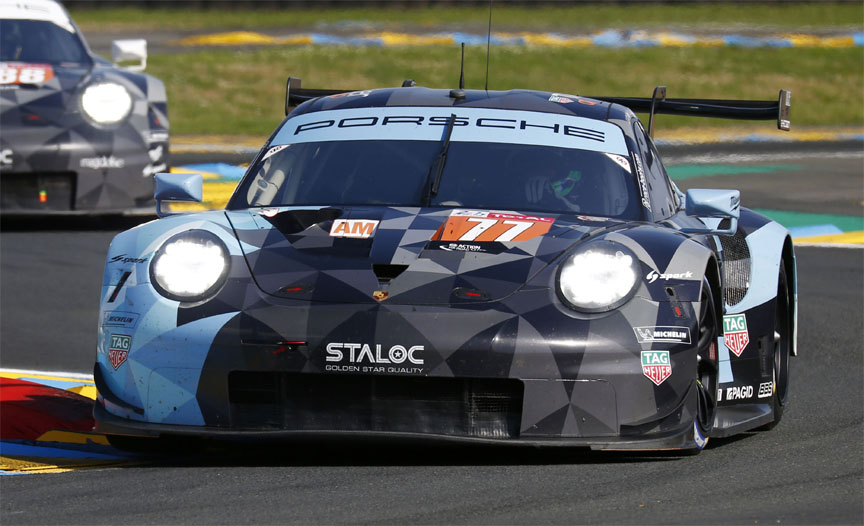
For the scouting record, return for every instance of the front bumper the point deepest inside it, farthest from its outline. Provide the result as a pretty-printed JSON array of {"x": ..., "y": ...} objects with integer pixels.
[
  {"x": 53, "y": 169},
  {"x": 527, "y": 370}
]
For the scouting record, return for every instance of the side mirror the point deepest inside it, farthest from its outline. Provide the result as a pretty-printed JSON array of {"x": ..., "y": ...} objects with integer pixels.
[
  {"x": 718, "y": 209},
  {"x": 130, "y": 50},
  {"x": 177, "y": 187}
]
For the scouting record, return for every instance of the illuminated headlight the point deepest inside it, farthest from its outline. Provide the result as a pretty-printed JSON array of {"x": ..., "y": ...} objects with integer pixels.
[
  {"x": 106, "y": 103},
  {"x": 191, "y": 266},
  {"x": 599, "y": 277}
]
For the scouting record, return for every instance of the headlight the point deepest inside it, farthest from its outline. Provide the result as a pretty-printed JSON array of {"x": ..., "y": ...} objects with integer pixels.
[
  {"x": 598, "y": 277},
  {"x": 106, "y": 103},
  {"x": 190, "y": 266}
]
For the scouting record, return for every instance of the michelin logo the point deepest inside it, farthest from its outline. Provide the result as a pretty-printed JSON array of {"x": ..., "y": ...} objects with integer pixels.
[{"x": 662, "y": 334}]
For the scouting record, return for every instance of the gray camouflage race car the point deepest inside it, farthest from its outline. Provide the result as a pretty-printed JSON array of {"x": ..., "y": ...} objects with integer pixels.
[
  {"x": 500, "y": 266},
  {"x": 77, "y": 133}
]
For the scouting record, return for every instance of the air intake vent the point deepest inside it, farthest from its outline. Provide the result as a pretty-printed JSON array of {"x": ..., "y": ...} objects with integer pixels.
[
  {"x": 387, "y": 273},
  {"x": 736, "y": 267}
]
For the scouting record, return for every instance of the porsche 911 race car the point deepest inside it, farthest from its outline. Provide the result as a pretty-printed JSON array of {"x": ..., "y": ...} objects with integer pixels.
[
  {"x": 77, "y": 133},
  {"x": 501, "y": 266}
]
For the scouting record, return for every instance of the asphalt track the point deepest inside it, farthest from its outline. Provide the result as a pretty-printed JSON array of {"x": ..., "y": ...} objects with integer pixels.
[{"x": 810, "y": 469}]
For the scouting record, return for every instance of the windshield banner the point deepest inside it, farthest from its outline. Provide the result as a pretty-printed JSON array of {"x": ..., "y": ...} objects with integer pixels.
[{"x": 470, "y": 125}]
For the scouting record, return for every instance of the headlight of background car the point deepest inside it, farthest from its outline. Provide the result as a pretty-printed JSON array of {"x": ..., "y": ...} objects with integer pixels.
[
  {"x": 598, "y": 277},
  {"x": 106, "y": 102},
  {"x": 190, "y": 266}
]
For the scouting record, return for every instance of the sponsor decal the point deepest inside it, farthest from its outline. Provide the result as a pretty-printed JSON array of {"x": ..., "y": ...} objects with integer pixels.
[
  {"x": 18, "y": 73},
  {"x": 119, "y": 349},
  {"x": 6, "y": 157},
  {"x": 118, "y": 318},
  {"x": 470, "y": 125},
  {"x": 557, "y": 97},
  {"x": 156, "y": 136},
  {"x": 480, "y": 226},
  {"x": 380, "y": 295},
  {"x": 766, "y": 389},
  {"x": 588, "y": 102},
  {"x": 98, "y": 163},
  {"x": 274, "y": 150},
  {"x": 741, "y": 392},
  {"x": 620, "y": 160},
  {"x": 356, "y": 228},
  {"x": 268, "y": 212},
  {"x": 662, "y": 334},
  {"x": 153, "y": 169},
  {"x": 654, "y": 276},
  {"x": 720, "y": 395},
  {"x": 361, "y": 357},
  {"x": 735, "y": 334},
  {"x": 122, "y": 258},
  {"x": 643, "y": 183},
  {"x": 363, "y": 93},
  {"x": 156, "y": 153},
  {"x": 656, "y": 366}
]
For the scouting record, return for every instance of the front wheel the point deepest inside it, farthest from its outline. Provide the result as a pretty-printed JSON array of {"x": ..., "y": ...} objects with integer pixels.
[
  {"x": 782, "y": 349},
  {"x": 706, "y": 363}
]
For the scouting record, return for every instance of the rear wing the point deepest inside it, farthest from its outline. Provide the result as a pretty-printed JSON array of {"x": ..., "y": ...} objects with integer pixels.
[
  {"x": 751, "y": 110},
  {"x": 754, "y": 110}
]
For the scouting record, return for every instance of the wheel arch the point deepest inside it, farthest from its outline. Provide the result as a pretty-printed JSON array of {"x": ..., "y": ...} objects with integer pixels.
[{"x": 791, "y": 268}]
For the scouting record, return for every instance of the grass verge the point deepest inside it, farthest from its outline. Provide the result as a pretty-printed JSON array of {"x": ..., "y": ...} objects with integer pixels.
[{"x": 241, "y": 92}]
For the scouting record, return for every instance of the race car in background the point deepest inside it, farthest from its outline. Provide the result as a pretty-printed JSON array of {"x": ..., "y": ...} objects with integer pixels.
[
  {"x": 78, "y": 134},
  {"x": 500, "y": 266}
]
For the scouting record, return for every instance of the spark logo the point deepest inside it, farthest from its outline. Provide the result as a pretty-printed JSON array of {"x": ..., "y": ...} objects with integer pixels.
[{"x": 357, "y": 228}]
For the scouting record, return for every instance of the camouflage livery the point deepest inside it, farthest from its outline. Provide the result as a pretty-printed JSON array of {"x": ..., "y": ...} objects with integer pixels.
[
  {"x": 55, "y": 156},
  {"x": 361, "y": 319}
]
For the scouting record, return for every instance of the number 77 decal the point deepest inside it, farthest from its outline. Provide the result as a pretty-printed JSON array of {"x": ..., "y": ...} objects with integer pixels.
[{"x": 479, "y": 226}]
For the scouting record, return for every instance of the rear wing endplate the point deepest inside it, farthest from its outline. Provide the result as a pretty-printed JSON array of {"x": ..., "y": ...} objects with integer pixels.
[{"x": 753, "y": 110}]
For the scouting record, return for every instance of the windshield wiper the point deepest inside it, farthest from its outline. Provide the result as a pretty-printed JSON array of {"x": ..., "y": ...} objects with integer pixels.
[{"x": 437, "y": 168}]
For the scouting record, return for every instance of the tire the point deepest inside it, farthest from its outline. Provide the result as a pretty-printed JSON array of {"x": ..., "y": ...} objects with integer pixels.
[
  {"x": 706, "y": 361},
  {"x": 782, "y": 349}
]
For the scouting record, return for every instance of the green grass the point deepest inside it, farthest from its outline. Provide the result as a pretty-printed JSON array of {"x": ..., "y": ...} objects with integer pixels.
[
  {"x": 242, "y": 91},
  {"x": 727, "y": 17}
]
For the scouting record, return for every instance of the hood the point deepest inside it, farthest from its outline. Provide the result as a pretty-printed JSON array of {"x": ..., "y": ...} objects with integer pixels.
[
  {"x": 402, "y": 255},
  {"x": 46, "y": 101}
]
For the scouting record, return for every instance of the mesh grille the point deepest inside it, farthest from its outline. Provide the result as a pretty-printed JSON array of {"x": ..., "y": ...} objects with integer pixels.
[
  {"x": 490, "y": 408},
  {"x": 736, "y": 267}
]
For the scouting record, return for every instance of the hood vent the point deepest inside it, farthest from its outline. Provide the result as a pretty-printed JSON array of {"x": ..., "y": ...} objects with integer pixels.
[{"x": 387, "y": 273}]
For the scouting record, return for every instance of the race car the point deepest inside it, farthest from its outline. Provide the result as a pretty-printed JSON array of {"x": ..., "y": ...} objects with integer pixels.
[
  {"x": 78, "y": 134},
  {"x": 510, "y": 267}
]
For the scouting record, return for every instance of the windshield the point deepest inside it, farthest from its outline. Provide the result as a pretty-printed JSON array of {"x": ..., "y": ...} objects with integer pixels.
[
  {"x": 478, "y": 174},
  {"x": 40, "y": 42}
]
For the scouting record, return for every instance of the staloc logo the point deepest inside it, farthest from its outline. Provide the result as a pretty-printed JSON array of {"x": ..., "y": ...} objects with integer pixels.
[{"x": 358, "y": 353}]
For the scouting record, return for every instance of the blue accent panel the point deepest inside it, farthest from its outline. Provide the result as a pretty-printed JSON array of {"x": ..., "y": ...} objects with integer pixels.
[
  {"x": 766, "y": 248},
  {"x": 723, "y": 360},
  {"x": 170, "y": 362}
]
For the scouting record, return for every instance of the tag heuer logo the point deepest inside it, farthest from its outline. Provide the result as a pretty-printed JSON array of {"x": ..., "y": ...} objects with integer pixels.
[
  {"x": 380, "y": 295},
  {"x": 119, "y": 349},
  {"x": 656, "y": 366},
  {"x": 735, "y": 334}
]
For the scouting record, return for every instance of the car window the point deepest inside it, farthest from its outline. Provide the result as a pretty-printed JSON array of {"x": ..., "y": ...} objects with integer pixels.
[
  {"x": 40, "y": 42},
  {"x": 663, "y": 198},
  {"x": 498, "y": 173}
]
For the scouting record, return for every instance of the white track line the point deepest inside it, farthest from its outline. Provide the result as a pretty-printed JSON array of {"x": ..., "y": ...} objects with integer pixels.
[{"x": 59, "y": 374}]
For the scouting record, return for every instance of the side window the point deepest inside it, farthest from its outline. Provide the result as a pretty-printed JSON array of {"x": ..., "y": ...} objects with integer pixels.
[{"x": 663, "y": 198}]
